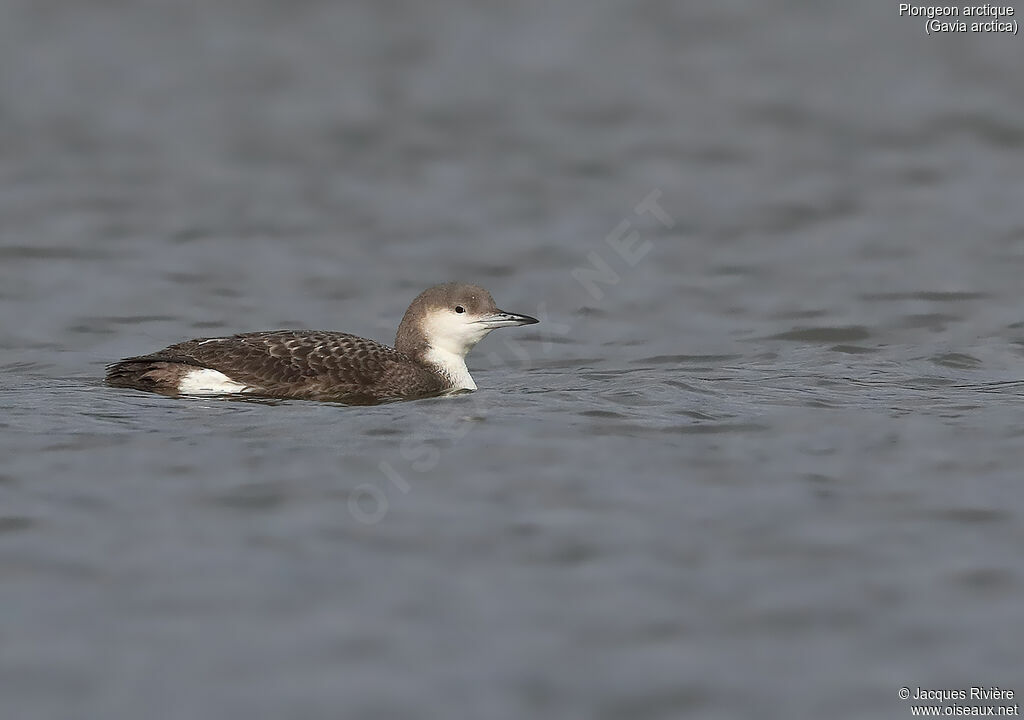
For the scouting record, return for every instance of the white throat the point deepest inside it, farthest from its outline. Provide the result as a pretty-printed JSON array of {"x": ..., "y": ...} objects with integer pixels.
[{"x": 452, "y": 365}]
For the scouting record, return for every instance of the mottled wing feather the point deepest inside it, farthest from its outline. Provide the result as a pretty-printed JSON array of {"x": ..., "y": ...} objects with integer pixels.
[
  {"x": 287, "y": 356},
  {"x": 309, "y": 364}
]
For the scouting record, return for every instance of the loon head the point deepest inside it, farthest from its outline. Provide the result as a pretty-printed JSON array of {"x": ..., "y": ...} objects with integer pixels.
[{"x": 444, "y": 323}]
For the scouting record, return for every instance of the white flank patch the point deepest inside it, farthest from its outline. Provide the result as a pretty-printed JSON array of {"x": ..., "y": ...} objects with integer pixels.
[{"x": 203, "y": 381}]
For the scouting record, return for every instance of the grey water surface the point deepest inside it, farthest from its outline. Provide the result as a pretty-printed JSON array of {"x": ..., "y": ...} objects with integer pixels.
[{"x": 761, "y": 458}]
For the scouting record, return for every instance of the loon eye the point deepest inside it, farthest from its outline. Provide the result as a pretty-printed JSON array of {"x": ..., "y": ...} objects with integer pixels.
[{"x": 460, "y": 309}]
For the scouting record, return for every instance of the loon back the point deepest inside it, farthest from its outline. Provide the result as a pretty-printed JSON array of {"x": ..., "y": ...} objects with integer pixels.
[{"x": 282, "y": 363}]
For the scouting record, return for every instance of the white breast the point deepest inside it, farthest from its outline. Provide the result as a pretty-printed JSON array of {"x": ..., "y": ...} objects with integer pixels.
[{"x": 203, "y": 381}]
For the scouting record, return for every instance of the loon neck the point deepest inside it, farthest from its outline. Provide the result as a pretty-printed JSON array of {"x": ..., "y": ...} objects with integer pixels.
[
  {"x": 450, "y": 364},
  {"x": 445, "y": 361},
  {"x": 445, "y": 358}
]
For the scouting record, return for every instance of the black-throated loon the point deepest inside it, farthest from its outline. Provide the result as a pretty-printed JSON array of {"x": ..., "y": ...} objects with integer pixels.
[{"x": 441, "y": 325}]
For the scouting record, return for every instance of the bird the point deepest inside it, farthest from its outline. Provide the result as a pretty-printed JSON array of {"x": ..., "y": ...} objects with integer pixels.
[{"x": 440, "y": 327}]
